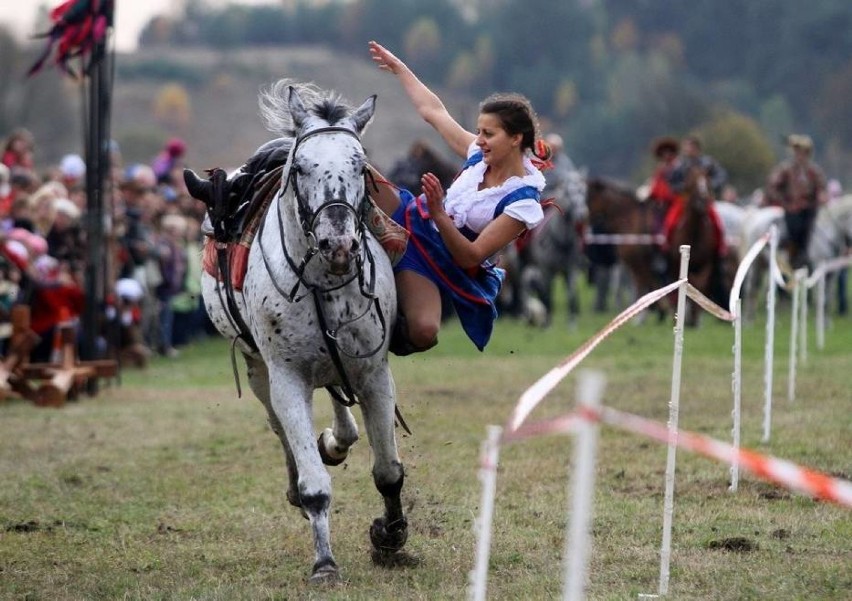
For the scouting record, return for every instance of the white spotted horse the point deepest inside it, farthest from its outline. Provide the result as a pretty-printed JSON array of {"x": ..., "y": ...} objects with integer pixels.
[{"x": 316, "y": 303}]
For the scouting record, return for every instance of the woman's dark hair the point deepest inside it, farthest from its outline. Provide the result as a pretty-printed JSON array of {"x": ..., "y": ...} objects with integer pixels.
[{"x": 516, "y": 115}]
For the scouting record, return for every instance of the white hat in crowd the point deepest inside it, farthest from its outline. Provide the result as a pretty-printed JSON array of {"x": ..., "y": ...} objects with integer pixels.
[{"x": 72, "y": 166}]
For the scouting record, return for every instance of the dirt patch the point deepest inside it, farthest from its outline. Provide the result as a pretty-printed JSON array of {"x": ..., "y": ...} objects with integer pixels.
[{"x": 737, "y": 544}]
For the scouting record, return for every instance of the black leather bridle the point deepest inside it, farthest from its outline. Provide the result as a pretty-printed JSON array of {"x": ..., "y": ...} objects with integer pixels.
[{"x": 308, "y": 218}]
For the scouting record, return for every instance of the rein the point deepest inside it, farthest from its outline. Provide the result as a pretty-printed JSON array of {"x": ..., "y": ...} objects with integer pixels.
[{"x": 366, "y": 287}]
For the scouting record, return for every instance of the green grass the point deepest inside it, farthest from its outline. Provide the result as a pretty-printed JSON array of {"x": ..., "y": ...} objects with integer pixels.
[{"x": 167, "y": 486}]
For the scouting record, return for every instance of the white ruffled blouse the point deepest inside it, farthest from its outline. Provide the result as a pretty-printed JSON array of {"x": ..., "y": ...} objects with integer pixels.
[{"x": 474, "y": 208}]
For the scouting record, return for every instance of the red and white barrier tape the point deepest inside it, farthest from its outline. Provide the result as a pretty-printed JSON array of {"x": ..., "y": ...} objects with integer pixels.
[
  {"x": 708, "y": 305},
  {"x": 535, "y": 393},
  {"x": 624, "y": 239},
  {"x": 744, "y": 266},
  {"x": 563, "y": 424},
  {"x": 779, "y": 471}
]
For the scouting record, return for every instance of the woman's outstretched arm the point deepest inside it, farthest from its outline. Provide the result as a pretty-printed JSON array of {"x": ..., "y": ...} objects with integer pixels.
[{"x": 425, "y": 101}]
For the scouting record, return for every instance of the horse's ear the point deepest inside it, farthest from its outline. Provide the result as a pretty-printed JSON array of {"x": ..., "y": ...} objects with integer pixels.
[
  {"x": 364, "y": 114},
  {"x": 298, "y": 112}
]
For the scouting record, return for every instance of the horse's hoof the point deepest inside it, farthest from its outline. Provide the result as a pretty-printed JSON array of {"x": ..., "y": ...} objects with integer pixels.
[
  {"x": 328, "y": 459},
  {"x": 388, "y": 538},
  {"x": 326, "y": 573}
]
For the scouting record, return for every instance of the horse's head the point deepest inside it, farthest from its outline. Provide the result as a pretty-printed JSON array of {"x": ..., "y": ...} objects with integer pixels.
[
  {"x": 697, "y": 188},
  {"x": 325, "y": 173}
]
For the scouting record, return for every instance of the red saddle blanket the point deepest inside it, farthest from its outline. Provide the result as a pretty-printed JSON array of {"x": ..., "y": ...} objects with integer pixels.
[{"x": 237, "y": 261}]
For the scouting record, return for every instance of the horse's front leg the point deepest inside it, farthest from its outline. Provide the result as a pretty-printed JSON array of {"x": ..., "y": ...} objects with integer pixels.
[
  {"x": 290, "y": 397},
  {"x": 389, "y": 532},
  {"x": 258, "y": 377},
  {"x": 334, "y": 443}
]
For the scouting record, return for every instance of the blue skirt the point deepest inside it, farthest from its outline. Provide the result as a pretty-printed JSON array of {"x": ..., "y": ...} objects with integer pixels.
[{"x": 472, "y": 292}]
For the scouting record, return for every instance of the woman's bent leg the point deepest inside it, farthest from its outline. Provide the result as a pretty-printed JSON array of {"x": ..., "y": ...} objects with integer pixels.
[{"x": 419, "y": 318}]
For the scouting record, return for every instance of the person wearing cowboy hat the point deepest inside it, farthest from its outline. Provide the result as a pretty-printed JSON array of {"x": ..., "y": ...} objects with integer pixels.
[{"x": 798, "y": 185}]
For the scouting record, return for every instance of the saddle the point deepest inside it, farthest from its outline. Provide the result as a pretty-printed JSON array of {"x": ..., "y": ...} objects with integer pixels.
[
  {"x": 238, "y": 230},
  {"x": 235, "y": 206}
]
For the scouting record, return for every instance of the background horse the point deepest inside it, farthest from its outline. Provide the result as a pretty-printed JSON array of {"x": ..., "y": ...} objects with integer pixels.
[
  {"x": 616, "y": 209},
  {"x": 756, "y": 223},
  {"x": 318, "y": 301},
  {"x": 832, "y": 236},
  {"x": 695, "y": 228},
  {"x": 554, "y": 249}
]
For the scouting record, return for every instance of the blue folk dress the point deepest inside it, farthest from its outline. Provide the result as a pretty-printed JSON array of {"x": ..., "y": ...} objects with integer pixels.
[{"x": 472, "y": 291}]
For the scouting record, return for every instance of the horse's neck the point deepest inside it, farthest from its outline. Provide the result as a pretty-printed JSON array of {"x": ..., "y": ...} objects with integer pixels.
[{"x": 635, "y": 217}]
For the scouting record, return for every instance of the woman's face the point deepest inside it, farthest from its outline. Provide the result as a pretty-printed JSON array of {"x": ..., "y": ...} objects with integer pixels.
[{"x": 496, "y": 144}]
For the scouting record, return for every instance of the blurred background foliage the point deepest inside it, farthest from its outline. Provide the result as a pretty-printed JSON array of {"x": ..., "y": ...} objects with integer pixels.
[{"x": 609, "y": 75}]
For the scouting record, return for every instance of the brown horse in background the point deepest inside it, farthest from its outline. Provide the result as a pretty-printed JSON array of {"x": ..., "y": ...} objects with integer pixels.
[{"x": 616, "y": 209}]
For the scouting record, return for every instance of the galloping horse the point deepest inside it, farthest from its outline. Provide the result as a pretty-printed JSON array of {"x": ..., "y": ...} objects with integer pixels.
[
  {"x": 695, "y": 228},
  {"x": 315, "y": 309}
]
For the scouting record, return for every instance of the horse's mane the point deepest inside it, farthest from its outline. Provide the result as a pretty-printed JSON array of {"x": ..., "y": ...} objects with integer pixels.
[{"x": 327, "y": 105}]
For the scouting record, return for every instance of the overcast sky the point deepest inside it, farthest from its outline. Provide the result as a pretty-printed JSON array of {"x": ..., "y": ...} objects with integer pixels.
[{"x": 131, "y": 16}]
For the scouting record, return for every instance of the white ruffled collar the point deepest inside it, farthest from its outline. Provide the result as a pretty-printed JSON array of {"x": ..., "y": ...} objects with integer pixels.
[{"x": 470, "y": 179}]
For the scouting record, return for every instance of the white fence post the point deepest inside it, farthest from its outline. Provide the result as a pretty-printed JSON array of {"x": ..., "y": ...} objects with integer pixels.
[
  {"x": 577, "y": 544},
  {"x": 674, "y": 410},
  {"x": 794, "y": 336},
  {"x": 488, "y": 475},
  {"x": 769, "y": 349},
  {"x": 802, "y": 281},
  {"x": 820, "y": 308},
  {"x": 737, "y": 390}
]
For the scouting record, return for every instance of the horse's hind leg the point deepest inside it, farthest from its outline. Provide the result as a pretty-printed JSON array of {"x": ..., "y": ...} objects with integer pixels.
[
  {"x": 334, "y": 442},
  {"x": 258, "y": 377},
  {"x": 572, "y": 294},
  {"x": 389, "y": 532}
]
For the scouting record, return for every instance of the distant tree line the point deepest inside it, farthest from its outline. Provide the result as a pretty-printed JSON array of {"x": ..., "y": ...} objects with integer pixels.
[{"x": 608, "y": 74}]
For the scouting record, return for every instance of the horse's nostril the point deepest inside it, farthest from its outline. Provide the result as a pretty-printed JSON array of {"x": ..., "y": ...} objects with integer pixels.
[
  {"x": 354, "y": 247},
  {"x": 324, "y": 245}
]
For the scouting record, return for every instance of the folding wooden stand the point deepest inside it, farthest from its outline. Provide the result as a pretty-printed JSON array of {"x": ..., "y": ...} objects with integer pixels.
[{"x": 60, "y": 380}]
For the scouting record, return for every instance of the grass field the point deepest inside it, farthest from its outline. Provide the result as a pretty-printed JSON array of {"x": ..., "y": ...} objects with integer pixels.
[{"x": 167, "y": 486}]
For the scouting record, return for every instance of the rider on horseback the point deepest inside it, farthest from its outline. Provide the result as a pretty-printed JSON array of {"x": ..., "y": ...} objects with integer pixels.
[{"x": 691, "y": 157}]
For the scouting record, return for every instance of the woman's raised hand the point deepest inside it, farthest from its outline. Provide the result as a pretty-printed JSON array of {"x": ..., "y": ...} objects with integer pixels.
[
  {"x": 434, "y": 192},
  {"x": 384, "y": 58}
]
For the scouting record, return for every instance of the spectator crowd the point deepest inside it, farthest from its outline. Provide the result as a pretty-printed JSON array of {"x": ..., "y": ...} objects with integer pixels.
[{"x": 151, "y": 256}]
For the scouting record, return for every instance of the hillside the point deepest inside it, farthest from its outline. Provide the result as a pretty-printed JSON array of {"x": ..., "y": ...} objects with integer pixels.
[{"x": 223, "y": 126}]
